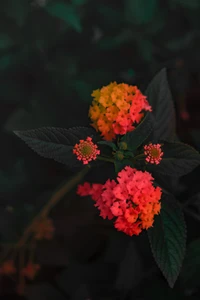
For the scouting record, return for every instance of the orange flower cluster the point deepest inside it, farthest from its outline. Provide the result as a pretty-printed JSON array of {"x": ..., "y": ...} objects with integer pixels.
[
  {"x": 132, "y": 200},
  {"x": 117, "y": 109},
  {"x": 44, "y": 229}
]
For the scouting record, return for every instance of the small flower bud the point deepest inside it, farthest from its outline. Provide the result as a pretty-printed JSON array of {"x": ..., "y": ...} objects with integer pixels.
[
  {"x": 123, "y": 146},
  {"x": 119, "y": 155}
]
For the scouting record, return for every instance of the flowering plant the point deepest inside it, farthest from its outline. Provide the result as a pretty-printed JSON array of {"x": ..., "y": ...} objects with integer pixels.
[{"x": 136, "y": 133}]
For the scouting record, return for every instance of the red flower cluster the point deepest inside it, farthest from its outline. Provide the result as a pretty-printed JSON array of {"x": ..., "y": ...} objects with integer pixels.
[
  {"x": 86, "y": 150},
  {"x": 133, "y": 200},
  {"x": 30, "y": 270}
]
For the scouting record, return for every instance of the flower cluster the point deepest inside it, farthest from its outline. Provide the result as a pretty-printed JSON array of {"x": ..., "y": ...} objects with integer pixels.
[
  {"x": 44, "y": 229},
  {"x": 117, "y": 109},
  {"x": 132, "y": 200},
  {"x": 153, "y": 153},
  {"x": 8, "y": 268},
  {"x": 86, "y": 150},
  {"x": 30, "y": 270}
]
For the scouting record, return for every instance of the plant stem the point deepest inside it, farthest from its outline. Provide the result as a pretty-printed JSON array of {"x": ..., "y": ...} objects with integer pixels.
[
  {"x": 192, "y": 214},
  {"x": 139, "y": 155},
  {"x": 56, "y": 197},
  {"x": 103, "y": 158}
]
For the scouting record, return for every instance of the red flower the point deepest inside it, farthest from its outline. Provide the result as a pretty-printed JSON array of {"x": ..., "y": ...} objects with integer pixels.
[
  {"x": 30, "y": 270},
  {"x": 86, "y": 150},
  {"x": 153, "y": 153}
]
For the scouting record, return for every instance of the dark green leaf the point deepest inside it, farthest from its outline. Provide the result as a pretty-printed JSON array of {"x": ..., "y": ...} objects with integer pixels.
[
  {"x": 65, "y": 12},
  {"x": 12, "y": 180},
  {"x": 145, "y": 49},
  {"x": 182, "y": 42},
  {"x": 17, "y": 10},
  {"x": 187, "y": 4},
  {"x": 5, "y": 41},
  {"x": 140, "y": 11},
  {"x": 56, "y": 143},
  {"x": 136, "y": 137},
  {"x": 159, "y": 96},
  {"x": 6, "y": 61},
  {"x": 78, "y": 2},
  {"x": 119, "y": 165},
  {"x": 179, "y": 159},
  {"x": 168, "y": 238},
  {"x": 109, "y": 144},
  {"x": 190, "y": 272}
]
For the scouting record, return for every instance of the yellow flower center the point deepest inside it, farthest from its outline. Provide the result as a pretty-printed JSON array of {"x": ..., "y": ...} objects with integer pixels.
[{"x": 155, "y": 153}]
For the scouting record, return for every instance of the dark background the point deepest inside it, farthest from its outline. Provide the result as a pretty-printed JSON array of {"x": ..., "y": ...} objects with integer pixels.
[{"x": 53, "y": 54}]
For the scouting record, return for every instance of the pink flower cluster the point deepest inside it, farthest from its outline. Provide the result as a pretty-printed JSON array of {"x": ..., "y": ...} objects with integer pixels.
[{"x": 133, "y": 200}]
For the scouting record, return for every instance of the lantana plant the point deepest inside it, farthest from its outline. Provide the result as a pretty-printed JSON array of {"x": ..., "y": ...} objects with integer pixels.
[{"x": 136, "y": 133}]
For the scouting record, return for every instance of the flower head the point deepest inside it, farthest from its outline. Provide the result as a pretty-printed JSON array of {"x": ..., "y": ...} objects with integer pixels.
[
  {"x": 44, "y": 229},
  {"x": 132, "y": 200},
  {"x": 8, "y": 268},
  {"x": 117, "y": 109},
  {"x": 86, "y": 150},
  {"x": 30, "y": 270},
  {"x": 153, "y": 153}
]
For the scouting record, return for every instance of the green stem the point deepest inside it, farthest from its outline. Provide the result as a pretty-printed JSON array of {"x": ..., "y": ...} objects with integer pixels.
[
  {"x": 105, "y": 159},
  {"x": 139, "y": 155}
]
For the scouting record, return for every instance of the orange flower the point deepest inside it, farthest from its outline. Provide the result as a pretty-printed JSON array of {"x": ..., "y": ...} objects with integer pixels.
[
  {"x": 8, "y": 268},
  {"x": 44, "y": 229},
  {"x": 116, "y": 109}
]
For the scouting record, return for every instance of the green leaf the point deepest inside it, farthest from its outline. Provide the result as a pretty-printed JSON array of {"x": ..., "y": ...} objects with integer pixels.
[
  {"x": 83, "y": 89},
  {"x": 168, "y": 238},
  {"x": 12, "y": 180},
  {"x": 159, "y": 96},
  {"x": 17, "y": 10},
  {"x": 140, "y": 11},
  {"x": 182, "y": 42},
  {"x": 109, "y": 144},
  {"x": 65, "y": 12},
  {"x": 119, "y": 165},
  {"x": 187, "y": 4},
  {"x": 179, "y": 159},
  {"x": 5, "y": 41},
  {"x": 190, "y": 271},
  {"x": 145, "y": 48},
  {"x": 136, "y": 137},
  {"x": 56, "y": 143},
  {"x": 78, "y": 2},
  {"x": 6, "y": 61}
]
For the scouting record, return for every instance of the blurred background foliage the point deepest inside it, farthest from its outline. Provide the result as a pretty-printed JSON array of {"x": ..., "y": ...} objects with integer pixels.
[{"x": 53, "y": 54}]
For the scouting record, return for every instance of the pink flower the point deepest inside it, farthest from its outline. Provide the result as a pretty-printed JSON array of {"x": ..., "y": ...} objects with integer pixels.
[
  {"x": 86, "y": 150},
  {"x": 153, "y": 153},
  {"x": 84, "y": 189}
]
